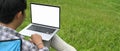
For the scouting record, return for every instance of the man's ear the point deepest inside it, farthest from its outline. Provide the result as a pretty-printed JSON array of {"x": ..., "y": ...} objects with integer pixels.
[{"x": 18, "y": 15}]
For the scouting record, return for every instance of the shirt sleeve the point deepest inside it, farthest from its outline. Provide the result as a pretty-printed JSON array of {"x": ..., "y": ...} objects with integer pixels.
[
  {"x": 28, "y": 46},
  {"x": 44, "y": 49}
]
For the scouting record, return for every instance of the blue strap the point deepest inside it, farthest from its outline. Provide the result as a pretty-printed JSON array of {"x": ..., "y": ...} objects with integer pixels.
[{"x": 10, "y": 45}]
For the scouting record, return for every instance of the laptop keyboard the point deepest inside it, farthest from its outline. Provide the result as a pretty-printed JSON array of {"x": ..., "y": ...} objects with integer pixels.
[{"x": 41, "y": 29}]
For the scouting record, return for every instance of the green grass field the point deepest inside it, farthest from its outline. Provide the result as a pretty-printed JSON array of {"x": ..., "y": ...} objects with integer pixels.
[{"x": 88, "y": 25}]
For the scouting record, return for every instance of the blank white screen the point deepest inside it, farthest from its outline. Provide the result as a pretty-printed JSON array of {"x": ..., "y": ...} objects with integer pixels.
[{"x": 45, "y": 15}]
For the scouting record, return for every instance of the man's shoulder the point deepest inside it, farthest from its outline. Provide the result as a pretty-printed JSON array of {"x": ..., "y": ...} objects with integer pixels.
[{"x": 7, "y": 36}]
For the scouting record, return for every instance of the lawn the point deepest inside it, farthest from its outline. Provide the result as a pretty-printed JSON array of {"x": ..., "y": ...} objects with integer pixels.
[{"x": 88, "y": 25}]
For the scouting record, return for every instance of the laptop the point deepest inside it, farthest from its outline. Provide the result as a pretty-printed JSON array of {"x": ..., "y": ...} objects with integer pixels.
[{"x": 45, "y": 21}]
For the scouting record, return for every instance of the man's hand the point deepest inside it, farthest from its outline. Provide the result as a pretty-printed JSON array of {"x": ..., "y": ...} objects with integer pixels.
[{"x": 37, "y": 40}]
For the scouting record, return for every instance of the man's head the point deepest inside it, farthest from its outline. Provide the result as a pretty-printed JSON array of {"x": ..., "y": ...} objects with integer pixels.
[{"x": 12, "y": 10}]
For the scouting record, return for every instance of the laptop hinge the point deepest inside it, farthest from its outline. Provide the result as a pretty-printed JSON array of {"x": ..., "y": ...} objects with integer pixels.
[{"x": 45, "y": 26}]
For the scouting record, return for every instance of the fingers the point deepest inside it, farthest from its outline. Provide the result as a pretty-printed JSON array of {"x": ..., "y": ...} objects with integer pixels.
[
  {"x": 36, "y": 38},
  {"x": 34, "y": 35}
]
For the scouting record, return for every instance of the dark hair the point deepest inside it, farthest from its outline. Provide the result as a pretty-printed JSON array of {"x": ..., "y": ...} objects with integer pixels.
[{"x": 9, "y": 8}]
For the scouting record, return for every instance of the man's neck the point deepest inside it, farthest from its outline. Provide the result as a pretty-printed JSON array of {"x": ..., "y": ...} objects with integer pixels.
[{"x": 9, "y": 25}]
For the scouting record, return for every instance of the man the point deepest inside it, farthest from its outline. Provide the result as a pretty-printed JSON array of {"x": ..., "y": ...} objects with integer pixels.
[{"x": 12, "y": 14}]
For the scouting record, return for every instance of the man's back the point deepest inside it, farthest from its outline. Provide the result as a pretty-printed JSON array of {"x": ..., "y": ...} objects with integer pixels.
[{"x": 9, "y": 34}]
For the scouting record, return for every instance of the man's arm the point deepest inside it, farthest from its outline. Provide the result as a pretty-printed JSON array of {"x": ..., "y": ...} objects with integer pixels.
[
  {"x": 37, "y": 40},
  {"x": 35, "y": 45}
]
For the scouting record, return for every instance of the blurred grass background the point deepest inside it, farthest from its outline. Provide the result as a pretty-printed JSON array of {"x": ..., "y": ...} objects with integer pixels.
[{"x": 88, "y": 25}]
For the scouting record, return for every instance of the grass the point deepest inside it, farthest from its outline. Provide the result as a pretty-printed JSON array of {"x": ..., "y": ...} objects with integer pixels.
[{"x": 88, "y": 25}]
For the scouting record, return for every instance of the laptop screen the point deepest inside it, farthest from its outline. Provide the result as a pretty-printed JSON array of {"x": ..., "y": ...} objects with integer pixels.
[{"x": 45, "y": 15}]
